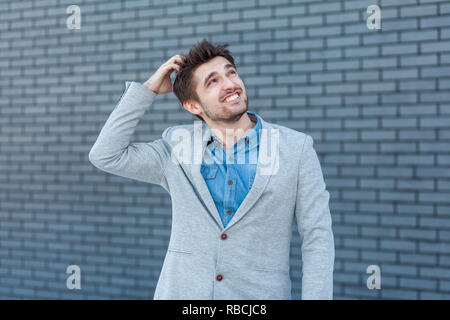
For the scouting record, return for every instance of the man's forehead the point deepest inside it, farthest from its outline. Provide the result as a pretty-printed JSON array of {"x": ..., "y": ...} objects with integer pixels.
[{"x": 215, "y": 64}]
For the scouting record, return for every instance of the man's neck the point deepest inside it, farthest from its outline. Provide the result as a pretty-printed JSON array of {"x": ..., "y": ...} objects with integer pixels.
[{"x": 230, "y": 134}]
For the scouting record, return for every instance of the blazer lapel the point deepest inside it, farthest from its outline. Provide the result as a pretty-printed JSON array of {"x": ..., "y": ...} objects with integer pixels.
[{"x": 200, "y": 135}]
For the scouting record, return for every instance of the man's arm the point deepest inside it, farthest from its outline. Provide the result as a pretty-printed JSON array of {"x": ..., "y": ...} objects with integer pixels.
[
  {"x": 314, "y": 226},
  {"x": 113, "y": 152}
]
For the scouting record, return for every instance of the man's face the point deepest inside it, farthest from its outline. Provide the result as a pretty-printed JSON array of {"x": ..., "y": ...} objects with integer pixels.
[{"x": 216, "y": 82}]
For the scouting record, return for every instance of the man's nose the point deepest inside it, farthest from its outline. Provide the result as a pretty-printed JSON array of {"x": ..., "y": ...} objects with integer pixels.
[{"x": 229, "y": 84}]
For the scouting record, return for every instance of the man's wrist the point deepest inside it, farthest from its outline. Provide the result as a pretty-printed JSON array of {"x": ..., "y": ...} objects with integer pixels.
[{"x": 146, "y": 84}]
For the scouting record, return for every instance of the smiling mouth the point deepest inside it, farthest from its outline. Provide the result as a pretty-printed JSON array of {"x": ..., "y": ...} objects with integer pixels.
[{"x": 233, "y": 98}]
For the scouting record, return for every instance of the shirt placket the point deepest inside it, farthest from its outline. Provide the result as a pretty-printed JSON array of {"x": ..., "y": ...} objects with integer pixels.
[{"x": 230, "y": 185}]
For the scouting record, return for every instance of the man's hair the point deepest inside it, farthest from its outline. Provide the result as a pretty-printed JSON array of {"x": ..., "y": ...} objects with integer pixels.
[{"x": 184, "y": 84}]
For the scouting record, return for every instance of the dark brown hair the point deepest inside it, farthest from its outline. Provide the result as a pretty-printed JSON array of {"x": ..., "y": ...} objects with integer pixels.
[{"x": 184, "y": 84}]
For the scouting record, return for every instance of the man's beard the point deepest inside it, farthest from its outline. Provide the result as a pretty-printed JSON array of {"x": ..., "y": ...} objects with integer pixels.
[{"x": 228, "y": 118}]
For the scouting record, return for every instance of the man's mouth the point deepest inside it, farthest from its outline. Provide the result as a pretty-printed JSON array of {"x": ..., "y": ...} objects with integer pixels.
[{"x": 232, "y": 98}]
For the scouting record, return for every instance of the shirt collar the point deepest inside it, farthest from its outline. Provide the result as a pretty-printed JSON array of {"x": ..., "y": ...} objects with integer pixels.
[{"x": 251, "y": 138}]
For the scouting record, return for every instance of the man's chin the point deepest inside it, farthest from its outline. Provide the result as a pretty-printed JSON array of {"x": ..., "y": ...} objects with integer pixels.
[{"x": 237, "y": 106}]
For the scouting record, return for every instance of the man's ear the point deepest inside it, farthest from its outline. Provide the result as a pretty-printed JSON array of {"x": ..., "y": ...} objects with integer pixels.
[{"x": 192, "y": 107}]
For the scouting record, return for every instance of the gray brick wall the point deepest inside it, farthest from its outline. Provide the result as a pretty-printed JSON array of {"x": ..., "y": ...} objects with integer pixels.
[{"x": 377, "y": 103}]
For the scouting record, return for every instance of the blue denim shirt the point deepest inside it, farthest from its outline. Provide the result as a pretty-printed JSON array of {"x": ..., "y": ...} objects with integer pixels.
[{"x": 229, "y": 177}]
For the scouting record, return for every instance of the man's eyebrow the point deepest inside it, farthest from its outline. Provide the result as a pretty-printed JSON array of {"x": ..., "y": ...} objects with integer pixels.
[{"x": 227, "y": 66}]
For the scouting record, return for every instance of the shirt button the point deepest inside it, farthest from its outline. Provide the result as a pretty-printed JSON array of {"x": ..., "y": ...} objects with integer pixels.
[
  {"x": 219, "y": 277},
  {"x": 231, "y": 158},
  {"x": 224, "y": 236},
  {"x": 228, "y": 211},
  {"x": 230, "y": 182}
]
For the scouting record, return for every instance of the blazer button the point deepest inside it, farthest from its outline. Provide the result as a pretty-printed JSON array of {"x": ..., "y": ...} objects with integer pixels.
[
  {"x": 224, "y": 236},
  {"x": 219, "y": 277},
  {"x": 230, "y": 182},
  {"x": 228, "y": 211}
]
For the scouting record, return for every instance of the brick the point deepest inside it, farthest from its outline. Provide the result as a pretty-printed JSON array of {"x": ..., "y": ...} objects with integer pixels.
[
  {"x": 307, "y": 20},
  {"x": 326, "y": 77},
  {"x": 415, "y": 85},
  {"x": 376, "y": 232},
  {"x": 379, "y": 256},
  {"x": 361, "y": 52},
  {"x": 437, "y": 46},
  {"x": 433, "y": 22},
  {"x": 399, "y": 122},
  {"x": 384, "y": 86},
  {"x": 399, "y": 49},
  {"x": 418, "y": 35},
  {"x": 325, "y": 54},
  {"x": 399, "y": 294},
  {"x": 361, "y": 195},
  {"x": 289, "y": 10},
  {"x": 434, "y": 296},
  {"x": 360, "y": 243},
  {"x": 378, "y": 135},
  {"x": 340, "y": 18},
  {"x": 307, "y": 44},
  {"x": 433, "y": 72},
  {"x": 433, "y": 122},
  {"x": 239, "y": 4},
  {"x": 410, "y": 97},
  {"x": 399, "y": 24},
  {"x": 397, "y": 196},
  {"x": 397, "y": 3},
  {"x": 362, "y": 75},
  {"x": 379, "y": 63},
  {"x": 376, "y": 183},
  {"x": 342, "y": 41},
  {"x": 418, "y": 11},
  {"x": 380, "y": 38},
  {"x": 208, "y": 7},
  {"x": 257, "y": 13},
  {"x": 377, "y": 159},
  {"x": 435, "y": 272},
  {"x": 423, "y": 259},
  {"x": 361, "y": 123},
  {"x": 434, "y": 146}
]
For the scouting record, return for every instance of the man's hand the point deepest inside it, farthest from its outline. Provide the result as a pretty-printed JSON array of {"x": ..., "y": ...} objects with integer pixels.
[{"x": 160, "y": 81}]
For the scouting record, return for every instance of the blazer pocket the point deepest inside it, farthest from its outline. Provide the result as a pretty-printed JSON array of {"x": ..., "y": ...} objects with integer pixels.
[
  {"x": 270, "y": 269},
  {"x": 179, "y": 250}
]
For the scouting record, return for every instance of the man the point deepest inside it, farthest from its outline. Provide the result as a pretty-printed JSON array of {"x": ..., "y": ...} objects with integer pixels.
[{"x": 231, "y": 220}]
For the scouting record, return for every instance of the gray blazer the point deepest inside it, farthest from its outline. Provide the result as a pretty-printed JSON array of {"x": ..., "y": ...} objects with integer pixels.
[{"x": 249, "y": 259}]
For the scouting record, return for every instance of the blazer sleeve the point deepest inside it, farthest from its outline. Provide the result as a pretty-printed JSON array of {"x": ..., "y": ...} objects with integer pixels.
[
  {"x": 113, "y": 152},
  {"x": 314, "y": 226}
]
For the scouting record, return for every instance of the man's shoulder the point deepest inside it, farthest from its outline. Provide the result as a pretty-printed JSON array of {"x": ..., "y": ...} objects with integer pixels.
[
  {"x": 178, "y": 128},
  {"x": 288, "y": 133}
]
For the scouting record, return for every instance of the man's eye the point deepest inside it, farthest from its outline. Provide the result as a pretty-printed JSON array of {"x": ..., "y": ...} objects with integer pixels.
[{"x": 216, "y": 80}]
